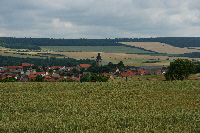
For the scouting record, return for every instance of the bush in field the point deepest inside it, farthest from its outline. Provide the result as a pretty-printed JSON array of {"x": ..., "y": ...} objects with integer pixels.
[{"x": 180, "y": 69}]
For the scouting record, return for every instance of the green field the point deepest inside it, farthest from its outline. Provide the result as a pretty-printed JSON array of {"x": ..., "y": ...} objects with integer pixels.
[
  {"x": 106, "y": 49},
  {"x": 134, "y": 106}
]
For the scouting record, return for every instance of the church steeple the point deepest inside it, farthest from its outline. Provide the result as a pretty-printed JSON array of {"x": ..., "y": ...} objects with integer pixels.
[{"x": 99, "y": 60}]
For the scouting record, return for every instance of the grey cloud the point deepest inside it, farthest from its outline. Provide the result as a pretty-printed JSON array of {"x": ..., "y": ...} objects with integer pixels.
[{"x": 101, "y": 19}]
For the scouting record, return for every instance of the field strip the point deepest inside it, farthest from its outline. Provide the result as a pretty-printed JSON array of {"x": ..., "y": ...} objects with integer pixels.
[
  {"x": 85, "y": 55},
  {"x": 160, "y": 47}
]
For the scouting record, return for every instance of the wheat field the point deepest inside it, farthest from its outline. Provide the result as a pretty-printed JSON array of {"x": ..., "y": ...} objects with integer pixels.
[{"x": 161, "y": 47}]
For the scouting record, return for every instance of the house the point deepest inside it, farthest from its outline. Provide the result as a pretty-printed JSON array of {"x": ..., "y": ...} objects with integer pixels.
[
  {"x": 26, "y": 66},
  {"x": 127, "y": 73},
  {"x": 69, "y": 69},
  {"x": 113, "y": 71},
  {"x": 42, "y": 73},
  {"x": 24, "y": 78},
  {"x": 11, "y": 68},
  {"x": 85, "y": 66},
  {"x": 55, "y": 76}
]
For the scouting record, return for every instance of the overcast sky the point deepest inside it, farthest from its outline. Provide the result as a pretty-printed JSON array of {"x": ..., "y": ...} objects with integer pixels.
[{"x": 99, "y": 18}]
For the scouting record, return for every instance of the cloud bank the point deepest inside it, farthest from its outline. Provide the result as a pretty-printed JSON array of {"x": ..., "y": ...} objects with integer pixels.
[{"x": 99, "y": 19}]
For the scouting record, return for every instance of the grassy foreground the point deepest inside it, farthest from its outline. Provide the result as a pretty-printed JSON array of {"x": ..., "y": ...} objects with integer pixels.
[{"x": 134, "y": 106}]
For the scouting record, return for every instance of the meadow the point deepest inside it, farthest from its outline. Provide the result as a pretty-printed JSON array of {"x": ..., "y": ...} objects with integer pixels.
[{"x": 114, "y": 106}]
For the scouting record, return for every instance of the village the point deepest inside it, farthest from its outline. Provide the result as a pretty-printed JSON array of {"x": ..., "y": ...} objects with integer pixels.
[{"x": 26, "y": 72}]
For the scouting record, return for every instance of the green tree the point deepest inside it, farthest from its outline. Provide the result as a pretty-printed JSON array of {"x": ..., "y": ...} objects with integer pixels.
[
  {"x": 75, "y": 70},
  {"x": 85, "y": 78},
  {"x": 39, "y": 78},
  {"x": 180, "y": 69},
  {"x": 6, "y": 64},
  {"x": 51, "y": 70},
  {"x": 66, "y": 80}
]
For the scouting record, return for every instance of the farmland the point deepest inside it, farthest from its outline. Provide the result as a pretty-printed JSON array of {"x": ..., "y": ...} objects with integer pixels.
[
  {"x": 141, "y": 54},
  {"x": 105, "y": 49},
  {"x": 134, "y": 106},
  {"x": 162, "y": 47}
]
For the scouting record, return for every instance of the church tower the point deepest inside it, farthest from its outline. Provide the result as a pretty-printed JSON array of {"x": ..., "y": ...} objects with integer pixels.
[{"x": 99, "y": 60}]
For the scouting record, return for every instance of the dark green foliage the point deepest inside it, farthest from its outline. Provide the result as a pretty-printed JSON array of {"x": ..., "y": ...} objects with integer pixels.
[
  {"x": 14, "y": 61},
  {"x": 50, "y": 70},
  {"x": 190, "y": 55},
  {"x": 98, "y": 78},
  {"x": 66, "y": 80},
  {"x": 36, "y": 67},
  {"x": 85, "y": 78},
  {"x": 74, "y": 70},
  {"x": 34, "y": 43},
  {"x": 94, "y": 78},
  {"x": 180, "y": 69},
  {"x": 39, "y": 78},
  {"x": 10, "y": 79},
  {"x": 70, "y": 74},
  {"x": 63, "y": 74}
]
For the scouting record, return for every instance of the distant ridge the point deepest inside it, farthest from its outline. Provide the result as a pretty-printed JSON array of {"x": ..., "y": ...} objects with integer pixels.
[{"x": 34, "y": 43}]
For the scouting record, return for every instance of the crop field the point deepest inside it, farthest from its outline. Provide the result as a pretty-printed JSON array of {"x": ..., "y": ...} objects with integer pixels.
[
  {"x": 105, "y": 49},
  {"x": 134, "y": 106},
  {"x": 161, "y": 47}
]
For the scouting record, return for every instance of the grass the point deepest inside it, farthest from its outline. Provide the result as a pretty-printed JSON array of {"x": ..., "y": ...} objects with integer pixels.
[{"x": 134, "y": 106}]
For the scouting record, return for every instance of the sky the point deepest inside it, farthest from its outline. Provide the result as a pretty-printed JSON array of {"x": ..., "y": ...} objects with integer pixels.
[{"x": 99, "y": 19}]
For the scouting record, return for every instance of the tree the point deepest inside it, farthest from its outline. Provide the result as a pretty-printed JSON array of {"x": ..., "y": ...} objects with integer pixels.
[
  {"x": 85, "y": 78},
  {"x": 6, "y": 64},
  {"x": 39, "y": 78},
  {"x": 51, "y": 70},
  {"x": 180, "y": 69}
]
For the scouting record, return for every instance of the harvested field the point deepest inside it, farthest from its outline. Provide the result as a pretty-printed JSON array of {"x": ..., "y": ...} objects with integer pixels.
[{"x": 160, "y": 47}]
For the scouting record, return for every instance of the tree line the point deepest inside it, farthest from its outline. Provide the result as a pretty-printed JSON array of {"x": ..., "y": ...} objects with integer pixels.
[
  {"x": 52, "y": 61},
  {"x": 34, "y": 43}
]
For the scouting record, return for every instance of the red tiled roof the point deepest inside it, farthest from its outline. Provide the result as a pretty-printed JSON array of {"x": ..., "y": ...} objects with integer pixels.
[
  {"x": 57, "y": 66},
  {"x": 83, "y": 65},
  {"x": 26, "y": 64},
  {"x": 127, "y": 74},
  {"x": 142, "y": 71},
  {"x": 105, "y": 74},
  {"x": 80, "y": 75},
  {"x": 76, "y": 79},
  {"x": 52, "y": 80},
  {"x": 2, "y": 71},
  {"x": 47, "y": 77},
  {"x": 69, "y": 67},
  {"x": 13, "y": 67},
  {"x": 40, "y": 73},
  {"x": 31, "y": 76}
]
